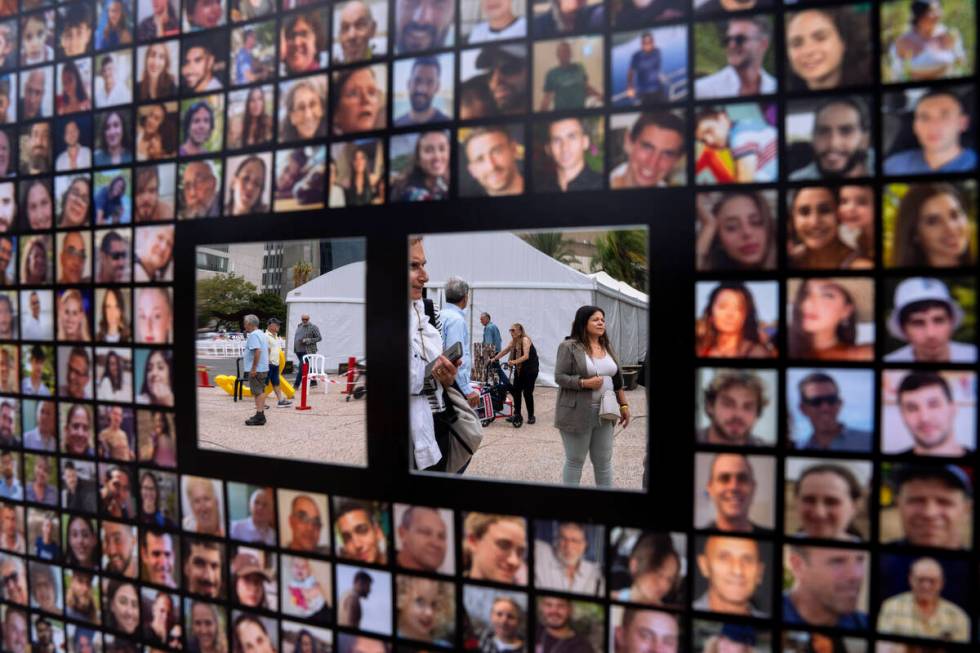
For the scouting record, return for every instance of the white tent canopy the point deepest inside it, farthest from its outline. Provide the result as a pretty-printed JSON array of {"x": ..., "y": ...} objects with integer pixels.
[
  {"x": 509, "y": 279},
  {"x": 335, "y": 304}
]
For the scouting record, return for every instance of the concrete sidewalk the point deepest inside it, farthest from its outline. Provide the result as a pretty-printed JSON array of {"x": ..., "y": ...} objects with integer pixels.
[{"x": 333, "y": 431}]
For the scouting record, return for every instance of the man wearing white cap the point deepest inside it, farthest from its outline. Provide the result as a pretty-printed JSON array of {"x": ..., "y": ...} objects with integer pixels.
[{"x": 925, "y": 316}]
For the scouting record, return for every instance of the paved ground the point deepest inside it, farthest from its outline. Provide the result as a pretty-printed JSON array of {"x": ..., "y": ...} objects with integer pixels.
[
  {"x": 534, "y": 453},
  {"x": 334, "y": 431}
]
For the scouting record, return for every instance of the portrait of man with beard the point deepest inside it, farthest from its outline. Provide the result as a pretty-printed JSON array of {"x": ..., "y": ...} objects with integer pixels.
[
  {"x": 421, "y": 79},
  {"x": 424, "y": 25},
  {"x": 733, "y": 402},
  {"x": 840, "y": 139}
]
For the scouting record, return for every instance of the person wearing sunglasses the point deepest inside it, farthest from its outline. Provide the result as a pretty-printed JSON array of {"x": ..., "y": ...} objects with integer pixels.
[
  {"x": 821, "y": 403},
  {"x": 113, "y": 259},
  {"x": 746, "y": 41},
  {"x": 305, "y": 524}
]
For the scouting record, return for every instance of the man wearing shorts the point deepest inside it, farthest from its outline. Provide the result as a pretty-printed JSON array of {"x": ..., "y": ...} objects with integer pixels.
[
  {"x": 272, "y": 336},
  {"x": 255, "y": 367}
]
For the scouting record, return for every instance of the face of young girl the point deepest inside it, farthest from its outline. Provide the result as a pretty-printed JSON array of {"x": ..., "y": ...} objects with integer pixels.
[{"x": 35, "y": 39}]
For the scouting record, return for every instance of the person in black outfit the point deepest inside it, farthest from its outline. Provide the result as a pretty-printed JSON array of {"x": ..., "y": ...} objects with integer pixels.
[{"x": 524, "y": 360}]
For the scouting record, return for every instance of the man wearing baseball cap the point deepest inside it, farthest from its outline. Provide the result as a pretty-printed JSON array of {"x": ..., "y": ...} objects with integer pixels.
[
  {"x": 249, "y": 579},
  {"x": 272, "y": 335},
  {"x": 506, "y": 76},
  {"x": 934, "y": 505},
  {"x": 925, "y": 315}
]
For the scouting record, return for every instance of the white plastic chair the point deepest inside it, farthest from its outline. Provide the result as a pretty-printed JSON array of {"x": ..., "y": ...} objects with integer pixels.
[{"x": 317, "y": 370}]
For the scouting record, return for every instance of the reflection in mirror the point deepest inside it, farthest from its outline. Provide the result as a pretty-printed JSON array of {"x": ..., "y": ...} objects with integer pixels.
[
  {"x": 528, "y": 356},
  {"x": 280, "y": 349}
]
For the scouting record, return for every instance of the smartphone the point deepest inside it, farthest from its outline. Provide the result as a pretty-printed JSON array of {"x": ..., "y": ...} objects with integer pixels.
[{"x": 454, "y": 353}]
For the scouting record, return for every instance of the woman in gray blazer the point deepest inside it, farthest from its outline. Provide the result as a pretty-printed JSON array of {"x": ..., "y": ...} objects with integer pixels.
[{"x": 585, "y": 368}]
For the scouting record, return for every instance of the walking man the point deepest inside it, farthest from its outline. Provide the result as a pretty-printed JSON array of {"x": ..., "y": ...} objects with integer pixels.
[
  {"x": 304, "y": 342},
  {"x": 272, "y": 336},
  {"x": 255, "y": 365}
]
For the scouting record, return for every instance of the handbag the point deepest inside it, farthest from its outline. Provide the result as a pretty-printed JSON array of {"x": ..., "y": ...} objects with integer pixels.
[
  {"x": 464, "y": 430},
  {"x": 609, "y": 407}
]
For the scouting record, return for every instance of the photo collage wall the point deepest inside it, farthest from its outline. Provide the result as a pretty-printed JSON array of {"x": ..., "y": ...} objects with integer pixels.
[{"x": 825, "y": 156}]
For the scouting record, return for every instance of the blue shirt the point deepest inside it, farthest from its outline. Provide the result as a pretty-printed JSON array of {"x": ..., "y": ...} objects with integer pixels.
[
  {"x": 847, "y": 440},
  {"x": 243, "y": 64},
  {"x": 454, "y": 330},
  {"x": 491, "y": 336},
  {"x": 13, "y": 490},
  {"x": 256, "y": 340},
  {"x": 852, "y": 621},
  {"x": 646, "y": 70},
  {"x": 912, "y": 162}
]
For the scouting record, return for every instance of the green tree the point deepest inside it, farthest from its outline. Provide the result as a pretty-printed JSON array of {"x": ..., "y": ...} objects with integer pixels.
[
  {"x": 623, "y": 256},
  {"x": 553, "y": 244}
]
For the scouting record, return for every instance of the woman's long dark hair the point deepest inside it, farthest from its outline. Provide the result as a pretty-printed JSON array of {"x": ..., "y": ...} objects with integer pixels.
[
  {"x": 72, "y": 69},
  {"x": 579, "y": 334},
  {"x": 262, "y": 125},
  {"x": 800, "y": 342},
  {"x": 116, "y": 381},
  {"x": 717, "y": 257},
  {"x": 907, "y": 250},
  {"x": 855, "y": 35},
  {"x": 168, "y": 358},
  {"x": 750, "y": 330},
  {"x": 70, "y": 557},
  {"x": 112, "y": 588}
]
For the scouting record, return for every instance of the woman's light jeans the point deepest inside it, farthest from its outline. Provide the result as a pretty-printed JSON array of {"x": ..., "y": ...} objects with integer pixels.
[{"x": 597, "y": 443}]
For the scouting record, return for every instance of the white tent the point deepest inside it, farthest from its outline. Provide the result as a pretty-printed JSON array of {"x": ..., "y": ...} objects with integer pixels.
[
  {"x": 514, "y": 282},
  {"x": 335, "y": 304},
  {"x": 509, "y": 279}
]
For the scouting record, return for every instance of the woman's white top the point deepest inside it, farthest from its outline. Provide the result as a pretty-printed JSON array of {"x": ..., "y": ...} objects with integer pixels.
[
  {"x": 606, "y": 368},
  {"x": 426, "y": 347}
]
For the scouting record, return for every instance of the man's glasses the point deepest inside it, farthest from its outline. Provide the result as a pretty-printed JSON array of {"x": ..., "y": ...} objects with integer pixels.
[
  {"x": 820, "y": 400},
  {"x": 118, "y": 256}
]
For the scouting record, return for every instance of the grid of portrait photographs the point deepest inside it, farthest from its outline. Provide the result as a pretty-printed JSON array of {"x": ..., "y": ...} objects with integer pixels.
[{"x": 826, "y": 151}]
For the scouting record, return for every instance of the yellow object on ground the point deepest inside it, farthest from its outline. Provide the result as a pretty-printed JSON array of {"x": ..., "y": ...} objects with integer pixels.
[{"x": 227, "y": 382}]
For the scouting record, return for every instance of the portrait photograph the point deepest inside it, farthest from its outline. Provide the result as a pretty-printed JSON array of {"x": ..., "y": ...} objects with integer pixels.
[
  {"x": 198, "y": 189},
  {"x": 112, "y": 264},
  {"x": 424, "y": 539},
  {"x": 113, "y": 144},
  {"x": 36, "y": 205},
  {"x": 828, "y": 47},
  {"x": 116, "y": 438},
  {"x": 114, "y": 374},
  {"x": 303, "y": 41},
  {"x": 493, "y": 81},
  {"x": 929, "y": 225},
  {"x": 37, "y": 93},
  {"x": 360, "y": 30},
  {"x": 649, "y": 67},
  {"x": 112, "y": 196},
  {"x": 831, "y": 318},
  {"x": 357, "y": 173},
  {"x": 426, "y": 610},
  {"x": 364, "y": 600},
  {"x": 736, "y": 230},
  {"x": 249, "y": 185},
  {"x": 568, "y": 74},
  {"x": 253, "y": 53},
  {"x": 157, "y": 127},
  {"x": 816, "y": 229},
  {"x": 928, "y": 130},
  {"x": 485, "y": 20},
  {"x": 202, "y": 125},
  {"x": 299, "y": 637},
  {"x": 307, "y": 589},
  {"x": 911, "y": 488},
  {"x": 252, "y": 513},
  {"x": 251, "y": 117},
  {"x": 75, "y": 28},
  {"x": 113, "y": 77},
  {"x": 743, "y": 315},
  {"x": 734, "y": 492},
  {"x": 77, "y": 429},
  {"x": 736, "y": 143},
  {"x": 647, "y": 150},
  {"x": 303, "y": 108},
  {"x": 830, "y": 409},
  {"x": 422, "y": 91},
  {"x": 419, "y": 166},
  {"x": 559, "y": 545},
  {"x": 154, "y": 197},
  {"x": 301, "y": 178},
  {"x": 715, "y": 558},
  {"x": 928, "y": 412},
  {"x": 648, "y": 567},
  {"x": 73, "y": 87},
  {"x": 827, "y": 498},
  {"x": 925, "y": 41},
  {"x": 157, "y": 70},
  {"x": 359, "y": 99},
  {"x": 829, "y": 138},
  {"x": 569, "y": 155},
  {"x": 733, "y": 57},
  {"x": 483, "y": 176},
  {"x": 736, "y": 407}
]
